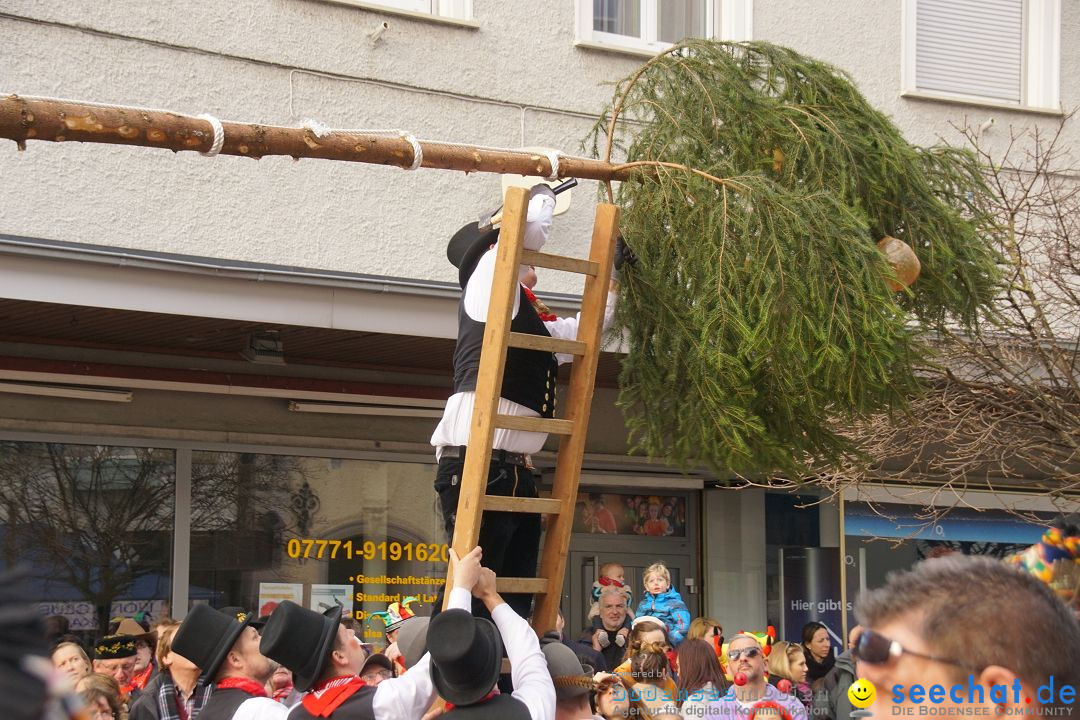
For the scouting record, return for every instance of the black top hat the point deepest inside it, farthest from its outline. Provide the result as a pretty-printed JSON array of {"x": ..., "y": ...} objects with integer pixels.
[
  {"x": 466, "y": 656},
  {"x": 467, "y": 246},
  {"x": 207, "y": 635},
  {"x": 301, "y": 640},
  {"x": 243, "y": 615}
]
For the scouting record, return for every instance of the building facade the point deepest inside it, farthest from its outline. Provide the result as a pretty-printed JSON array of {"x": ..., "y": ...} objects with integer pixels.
[{"x": 218, "y": 378}]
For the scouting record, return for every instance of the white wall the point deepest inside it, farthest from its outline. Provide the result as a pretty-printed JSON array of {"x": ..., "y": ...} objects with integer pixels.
[
  {"x": 734, "y": 558},
  {"x": 516, "y": 79}
]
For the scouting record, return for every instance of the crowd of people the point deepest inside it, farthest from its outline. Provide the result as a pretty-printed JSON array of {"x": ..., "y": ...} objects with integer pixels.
[{"x": 937, "y": 623}]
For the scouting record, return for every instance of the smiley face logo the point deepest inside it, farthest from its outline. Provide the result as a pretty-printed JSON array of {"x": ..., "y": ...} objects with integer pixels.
[{"x": 862, "y": 693}]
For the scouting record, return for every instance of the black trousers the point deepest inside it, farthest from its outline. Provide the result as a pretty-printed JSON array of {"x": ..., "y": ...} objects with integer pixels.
[{"x": 510, "y": 541}]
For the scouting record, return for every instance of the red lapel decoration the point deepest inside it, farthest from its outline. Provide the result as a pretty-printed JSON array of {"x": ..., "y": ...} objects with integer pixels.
[{"x": 326, "y": 697}]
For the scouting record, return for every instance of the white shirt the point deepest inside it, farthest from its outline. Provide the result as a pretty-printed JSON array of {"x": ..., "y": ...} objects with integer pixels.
[
  {"x": 528, "y": 667},
  {"x": 260, "y": 708},
  {"x": 453, "y": 429}
]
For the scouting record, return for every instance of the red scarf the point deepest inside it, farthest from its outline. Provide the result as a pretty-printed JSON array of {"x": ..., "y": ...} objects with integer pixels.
[
  {"x": 246, "y": 684},
  {"x": 450, "y": 706},
  {"x": 605, "y": 580},
  {"x": 325, "y": 697},
  {"x": 139, "y": 680},
  {"x": 541, "y": 309}
]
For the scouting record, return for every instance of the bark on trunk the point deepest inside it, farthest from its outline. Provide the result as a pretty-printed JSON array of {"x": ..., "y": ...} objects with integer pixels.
[{"x": 24, "y": 118}]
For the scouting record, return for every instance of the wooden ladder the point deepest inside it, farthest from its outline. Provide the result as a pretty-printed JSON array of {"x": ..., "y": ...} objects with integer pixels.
[{"x": 572, "y": 428}]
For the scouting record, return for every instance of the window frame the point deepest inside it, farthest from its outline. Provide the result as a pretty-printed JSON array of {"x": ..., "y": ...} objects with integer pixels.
[
  {"x": 735, "y": 16},
  {"x": 1040, "y": 73},
  {"x": 452, "y": 12}
]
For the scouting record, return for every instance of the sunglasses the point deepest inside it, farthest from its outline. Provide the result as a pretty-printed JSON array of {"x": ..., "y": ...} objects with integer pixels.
[
  {"x": 876, "y": 649},
  {"x": 750, "y": 653}
]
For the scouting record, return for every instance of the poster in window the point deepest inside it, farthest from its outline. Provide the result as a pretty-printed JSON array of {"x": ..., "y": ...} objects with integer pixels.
[{"x": 618, "y": 514}]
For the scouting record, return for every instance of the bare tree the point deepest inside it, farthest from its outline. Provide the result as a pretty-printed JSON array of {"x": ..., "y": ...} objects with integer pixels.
[
  {"x": 1003, "y": 403},
  {"x": 97, "y": 518}
]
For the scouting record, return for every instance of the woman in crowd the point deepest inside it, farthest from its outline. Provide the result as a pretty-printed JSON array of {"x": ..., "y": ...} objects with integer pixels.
[
  {"x": 818, "y": 650},
  {"x": 787, "y": 661},
  {"x": 651, "y": 675},
  {"x": 101, "y": 693},
  {"x": 646, "y": 630},
  {"x": 700, "y": 678},
  {"x": 71, "y": 659}
]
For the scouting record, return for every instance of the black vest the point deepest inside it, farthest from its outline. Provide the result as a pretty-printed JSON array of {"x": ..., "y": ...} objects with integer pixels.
[
  {"x": 529, "y": 375},
  {"x": 357, "y": 706},
  {"x": 223, "y": 704},
  {"x": 500, "y": 707}
]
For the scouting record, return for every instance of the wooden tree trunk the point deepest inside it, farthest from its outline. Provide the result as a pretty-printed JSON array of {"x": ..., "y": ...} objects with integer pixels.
[{"x": 25, "y": 118}]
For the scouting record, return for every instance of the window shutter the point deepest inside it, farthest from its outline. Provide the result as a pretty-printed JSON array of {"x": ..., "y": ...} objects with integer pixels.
[{"x": 970, "y": 47}]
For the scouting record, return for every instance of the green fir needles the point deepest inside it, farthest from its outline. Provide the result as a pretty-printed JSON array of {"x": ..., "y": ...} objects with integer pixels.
[{"x": 758, "y": 315}]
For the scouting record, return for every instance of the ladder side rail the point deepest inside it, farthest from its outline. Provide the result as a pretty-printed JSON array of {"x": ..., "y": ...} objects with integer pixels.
[{"x": 577, "y": 408}]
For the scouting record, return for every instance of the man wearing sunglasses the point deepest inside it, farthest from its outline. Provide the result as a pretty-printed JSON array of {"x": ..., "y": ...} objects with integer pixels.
[
  {"x": 745, "y": 656},
  {"x": 963, "y": 636}
]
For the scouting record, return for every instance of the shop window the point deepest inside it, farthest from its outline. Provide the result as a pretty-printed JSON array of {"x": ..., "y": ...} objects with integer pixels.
[
  {"x": 650, "y": 26},
  {"x": 94, "y": 524},
  {"x": 647, "y": 515},
  {"x": 318, "y": 531}
]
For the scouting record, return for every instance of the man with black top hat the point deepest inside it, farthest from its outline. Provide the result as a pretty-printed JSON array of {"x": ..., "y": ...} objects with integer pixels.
[
  {"x": 225, "y": 646},
  {"x": 466, "y": 659},
  {"x": 326, "y": 659},
  {"x": 510, "y": 540}
]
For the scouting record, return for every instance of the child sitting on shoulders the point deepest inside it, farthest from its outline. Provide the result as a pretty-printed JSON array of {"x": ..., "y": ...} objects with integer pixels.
[
  {"x": 612, "y": 574},
  {"x": 663, "y": 601}
]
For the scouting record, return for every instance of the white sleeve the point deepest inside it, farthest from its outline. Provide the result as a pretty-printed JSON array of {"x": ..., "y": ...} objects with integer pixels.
[
  {"x": 528, "y": 668},
  {"x": 538, "y": 221},
  {"x": 566, "y": 328},
  {"x": 409, "y": 696},
  {"x": 260, "y": 708},
  {"x": 478, "y": 289}
]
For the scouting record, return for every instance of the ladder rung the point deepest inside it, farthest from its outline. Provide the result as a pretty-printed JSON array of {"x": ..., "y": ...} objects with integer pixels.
[
  {"x": 521, "y": 585},
  {"x": 549, "y": 344},
  {"x": 540, "y": 506},
  {"x": 559, "y": 262},
  {"x": 534, "y": 424}
]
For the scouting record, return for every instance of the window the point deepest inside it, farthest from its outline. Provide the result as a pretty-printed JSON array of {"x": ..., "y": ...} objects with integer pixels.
[
  {"x": 95, "y": 525},
  {"x": 1002, "y": 52},
  {"x": 650, "y": 26},
  {"x": 446, "y": 9}
]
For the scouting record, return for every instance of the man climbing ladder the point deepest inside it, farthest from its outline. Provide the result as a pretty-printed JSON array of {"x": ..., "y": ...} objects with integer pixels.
[{"x": 510, "y": 540}]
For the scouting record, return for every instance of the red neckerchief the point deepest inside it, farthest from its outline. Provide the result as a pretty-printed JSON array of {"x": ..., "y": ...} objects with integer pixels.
[
  {"x": 541, "y": 309},
  {"x": 325, "y": 697},
  {"x": 605, "y": 580},
  {"x": 450, "y": 706},
  {"x": 246, "y": 684},
  {"x": 139, "y": 680}
]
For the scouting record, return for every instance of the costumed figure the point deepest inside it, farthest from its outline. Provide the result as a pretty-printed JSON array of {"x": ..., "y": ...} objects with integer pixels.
[
  {"x": 393, "y": 618},
  {"x": 225, "y": 646},
  {"x": 1055, "y": 560},
  {"x": 510, "y": 540},
  {"x": 326, "y": 659}
]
